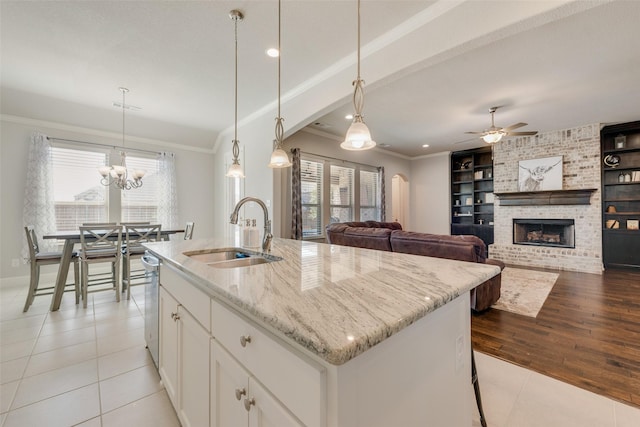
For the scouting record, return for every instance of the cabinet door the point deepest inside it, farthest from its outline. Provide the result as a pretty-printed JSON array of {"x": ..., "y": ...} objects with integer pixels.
[
  {"x": 229, "y": 387},
  {"x": 266, "y": 411},
  {"x": 169, "y": 344},
  {"x": 194, "y": 371}
]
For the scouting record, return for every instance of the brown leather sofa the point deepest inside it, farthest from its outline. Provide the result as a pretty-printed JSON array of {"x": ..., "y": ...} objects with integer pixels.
[{"x": 389, "y": 236}]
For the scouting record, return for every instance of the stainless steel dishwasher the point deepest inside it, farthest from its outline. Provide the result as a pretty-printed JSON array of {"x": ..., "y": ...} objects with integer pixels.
[{"x": 151, "y": 291}]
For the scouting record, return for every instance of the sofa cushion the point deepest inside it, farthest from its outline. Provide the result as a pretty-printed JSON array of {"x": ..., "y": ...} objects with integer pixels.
[
  {"x": 433, "y": 245},
  {"x": 369, "y": 238}
]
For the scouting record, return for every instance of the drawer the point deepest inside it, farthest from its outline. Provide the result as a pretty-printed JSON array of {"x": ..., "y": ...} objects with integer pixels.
[
  {"x": 298, "y": 382},
  {"x": 192, "y": 299}
]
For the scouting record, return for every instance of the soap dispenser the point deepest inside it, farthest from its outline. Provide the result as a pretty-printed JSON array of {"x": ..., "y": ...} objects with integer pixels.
[
  {"x": 254, "y": 235},
  {"x": 246, "y": 237}
]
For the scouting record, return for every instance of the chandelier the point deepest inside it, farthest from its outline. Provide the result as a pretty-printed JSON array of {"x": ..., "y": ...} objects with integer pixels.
[
  {"x": 358, "y": 136},
  {"x": 117, "y": 175},
  {"x": 235, "y": 170},
  {"x": 279, "y": 158}
]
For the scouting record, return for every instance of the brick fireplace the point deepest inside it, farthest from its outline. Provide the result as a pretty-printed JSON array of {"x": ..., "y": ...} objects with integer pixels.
[{"x": 580, "y": 151}]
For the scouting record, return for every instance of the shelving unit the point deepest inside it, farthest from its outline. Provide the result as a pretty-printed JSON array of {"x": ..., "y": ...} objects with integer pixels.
[
  {"x": 472, "y": 193},
  {"x": 620, "y": 155}
]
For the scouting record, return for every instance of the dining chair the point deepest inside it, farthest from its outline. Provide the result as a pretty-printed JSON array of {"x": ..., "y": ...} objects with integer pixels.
[
  {"x": 135, "y": 236},
  {"x": 100, "y": 244},
  {"x": 188, "y": 230},
  {"x": 37, "y": 259}
]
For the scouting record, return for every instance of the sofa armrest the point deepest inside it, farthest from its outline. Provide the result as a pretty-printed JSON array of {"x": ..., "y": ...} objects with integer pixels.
[{"x": 495, "y": 262}]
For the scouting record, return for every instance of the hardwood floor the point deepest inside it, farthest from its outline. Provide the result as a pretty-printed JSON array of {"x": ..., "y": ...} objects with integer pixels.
[{"x": 586, "y": 334}]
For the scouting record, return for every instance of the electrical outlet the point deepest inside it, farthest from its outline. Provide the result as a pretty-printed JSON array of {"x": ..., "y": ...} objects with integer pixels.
[
  {"x": 459, "y": 353},
  {"x": 15, "y": 262}
]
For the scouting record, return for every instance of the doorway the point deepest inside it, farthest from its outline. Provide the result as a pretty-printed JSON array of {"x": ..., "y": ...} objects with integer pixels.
[{"x": 400, "y": 199}]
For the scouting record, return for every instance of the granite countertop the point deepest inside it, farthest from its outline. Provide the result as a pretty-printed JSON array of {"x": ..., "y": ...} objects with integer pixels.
[{"x": 335, "y": 301}]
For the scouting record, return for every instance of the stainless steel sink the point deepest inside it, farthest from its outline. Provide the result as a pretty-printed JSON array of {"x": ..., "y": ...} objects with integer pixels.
[{"x": 230, "y": 257}]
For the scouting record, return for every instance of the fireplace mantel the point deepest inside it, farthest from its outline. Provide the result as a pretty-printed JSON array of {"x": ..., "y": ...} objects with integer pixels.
[{"x": 541, "y": 198}]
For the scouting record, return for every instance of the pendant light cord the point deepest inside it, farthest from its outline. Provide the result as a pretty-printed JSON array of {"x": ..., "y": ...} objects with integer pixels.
[
  {"x": 358, "y": 92},
  {"x": 235, "y": 121},
  {"x": 279, "y": 119},
  {"x": 358, "y": 78}
]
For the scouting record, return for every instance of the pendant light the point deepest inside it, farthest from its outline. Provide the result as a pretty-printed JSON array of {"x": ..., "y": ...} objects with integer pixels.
[
  {"x": 279, "y": 158},
  {"x": 358, "y": 136},
  {"x": 235, "y": 170},
  {"x": 117, "y": 175}
]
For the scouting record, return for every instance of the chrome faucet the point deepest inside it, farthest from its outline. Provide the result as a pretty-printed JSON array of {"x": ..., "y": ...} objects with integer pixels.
[{"x": 266, "y": 240}]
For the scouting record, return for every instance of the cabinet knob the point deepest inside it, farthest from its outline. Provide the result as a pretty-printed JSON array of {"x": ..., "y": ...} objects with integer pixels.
[
  {"x": 240, "y": 392},
  {"x": 248, "y": 403},
  {"x": 244, "y": 340},
  {"x": 175, "y": 317}
]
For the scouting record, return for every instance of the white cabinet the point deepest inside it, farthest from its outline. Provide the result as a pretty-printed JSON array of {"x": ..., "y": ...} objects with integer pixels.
[
  {"x": 184, "y": 361},
  {"x": 168, "y": 364},
  {"x": 295, "y": 381},
  {"x": 193, "y": 371},
  {"x": 238, "y": 399}
]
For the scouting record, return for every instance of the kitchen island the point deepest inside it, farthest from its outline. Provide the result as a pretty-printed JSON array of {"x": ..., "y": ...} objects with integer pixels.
[{"x": 328, "y": 336}]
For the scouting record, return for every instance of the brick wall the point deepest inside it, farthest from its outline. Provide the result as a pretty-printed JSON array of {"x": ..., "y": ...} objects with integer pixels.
[{"x": 580, "y": 151}]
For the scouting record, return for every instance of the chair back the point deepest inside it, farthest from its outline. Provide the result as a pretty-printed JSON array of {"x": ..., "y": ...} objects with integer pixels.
[
  {"x": 32, "y": 242},
  {"x": 136, "y": 235},
  {"x": 188, "y": 230},
  {"x": 100, "y": 241}
]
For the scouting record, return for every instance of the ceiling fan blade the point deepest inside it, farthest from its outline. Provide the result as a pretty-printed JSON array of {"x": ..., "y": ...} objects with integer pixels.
[
  {"x": 516, "y": 126},
  {"x": 534, "y": 132},
  {"x": 476, "y": 133}
]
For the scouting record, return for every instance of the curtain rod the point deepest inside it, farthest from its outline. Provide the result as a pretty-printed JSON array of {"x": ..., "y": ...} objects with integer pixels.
[
  {"x": 340, "y": 160},
  {"x": 115, "y": 147}
]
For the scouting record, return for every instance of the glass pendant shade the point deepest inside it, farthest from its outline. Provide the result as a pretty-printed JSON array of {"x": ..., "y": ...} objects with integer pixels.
[
  {"x": 493, "y": 137},
  {"x": 235, "y": 171},
  {"x": 279, "y": 159},
  {"x": 358, "y": 137}
]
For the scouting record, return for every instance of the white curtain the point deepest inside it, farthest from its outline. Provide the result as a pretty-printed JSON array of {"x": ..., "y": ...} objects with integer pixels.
[
  {"x": 168, "y": 191},
  {"x": 39, "y": 208}
]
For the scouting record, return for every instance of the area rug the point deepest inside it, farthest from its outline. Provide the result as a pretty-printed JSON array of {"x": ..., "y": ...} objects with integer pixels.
[{"x": 524, "y": 291}]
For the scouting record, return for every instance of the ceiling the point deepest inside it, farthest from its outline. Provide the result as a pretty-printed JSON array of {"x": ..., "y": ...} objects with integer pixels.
[{"x": 432, "y": 68}]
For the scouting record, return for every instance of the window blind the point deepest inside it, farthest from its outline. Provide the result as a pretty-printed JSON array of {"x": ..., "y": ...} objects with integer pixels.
[{"x": 311, "y": 182}]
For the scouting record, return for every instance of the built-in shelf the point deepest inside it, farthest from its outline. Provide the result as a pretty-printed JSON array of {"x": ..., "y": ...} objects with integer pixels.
[{"x": 539, "y": 198}]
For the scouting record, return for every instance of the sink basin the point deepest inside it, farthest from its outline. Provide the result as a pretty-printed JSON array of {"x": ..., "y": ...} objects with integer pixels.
[{"x": 230, "y": 257}]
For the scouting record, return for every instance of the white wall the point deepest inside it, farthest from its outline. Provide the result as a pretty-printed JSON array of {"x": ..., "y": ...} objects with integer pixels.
[
  {"x": 196, "y": 194},
  {"x": 329, "y": 147},
  {"x": 429, "y": 194}
]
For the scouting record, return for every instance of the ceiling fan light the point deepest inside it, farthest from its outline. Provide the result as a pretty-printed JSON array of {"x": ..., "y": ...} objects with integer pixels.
[
  {"x": 279, "y": 159},
  {"x": 493, "y": 137},
  {"x": 235, "y": 171},
  {"x": 358, "y": 137}
]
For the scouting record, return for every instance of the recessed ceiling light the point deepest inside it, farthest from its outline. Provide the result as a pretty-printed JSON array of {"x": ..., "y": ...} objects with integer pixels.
[
  {"x": 425, "y": 145},
  {"x": 273, "y": 52},
  {"x": 349, "y": 117}
]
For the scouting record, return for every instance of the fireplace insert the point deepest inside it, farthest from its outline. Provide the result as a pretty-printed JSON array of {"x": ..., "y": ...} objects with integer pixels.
[{"x": 544, "y": 232}]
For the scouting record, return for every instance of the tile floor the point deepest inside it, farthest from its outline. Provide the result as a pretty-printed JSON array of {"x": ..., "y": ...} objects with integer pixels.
[{"x": 89, "y": 367}]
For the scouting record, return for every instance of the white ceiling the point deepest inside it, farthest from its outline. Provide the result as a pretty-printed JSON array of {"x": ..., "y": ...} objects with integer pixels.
[{"x": 552, "y": 64}]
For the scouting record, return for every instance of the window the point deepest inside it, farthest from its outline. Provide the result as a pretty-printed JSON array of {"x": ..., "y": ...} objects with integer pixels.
[
  {"x": 311, "y": 183},
  {"x": 337, "y": 191},
  {"x": 342, "y": 200},
  {"x": 369, "y": 196},
  {"x": 78, "y": 195},
  {"x": 141, "y": 204}
]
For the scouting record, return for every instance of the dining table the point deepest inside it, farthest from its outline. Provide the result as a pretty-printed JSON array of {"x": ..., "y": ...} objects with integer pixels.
[{"x": 70, "y": 239}]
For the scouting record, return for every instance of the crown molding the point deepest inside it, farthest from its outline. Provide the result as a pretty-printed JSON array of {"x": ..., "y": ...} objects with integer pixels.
[{"x": 94, "y": 132}]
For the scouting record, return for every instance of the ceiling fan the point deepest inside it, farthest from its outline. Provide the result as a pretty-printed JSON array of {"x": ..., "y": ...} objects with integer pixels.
[{"x": 495, "y": 134}]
